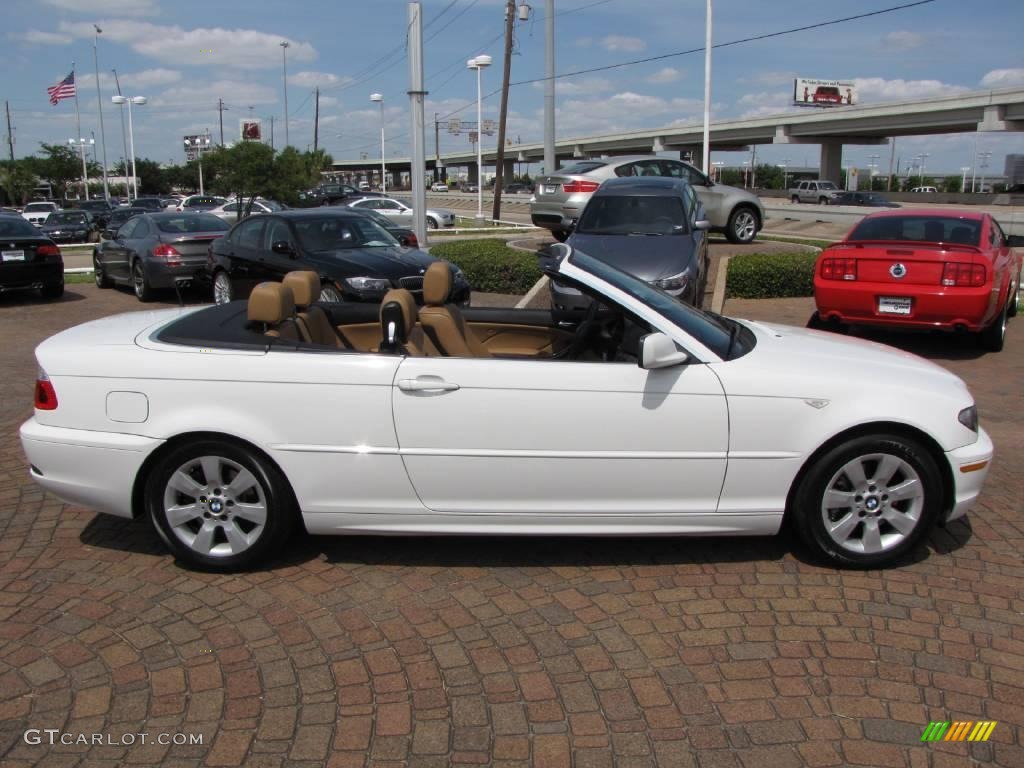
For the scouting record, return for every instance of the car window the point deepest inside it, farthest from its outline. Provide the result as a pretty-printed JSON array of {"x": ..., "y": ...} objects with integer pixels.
[
  {"x": 826, "y": 185},
  {"x": 141, "y": 229},
  {"x": 275, "y": 231},
  {"x": 388, "y": 205},
  {"x": 1000, "y": 240},
  {"x": 127, "y": 230},
  {"x": 184, "y": 223},
  {"x": 924, "y": 229},
  {"x": 16, "y": 227},
  {"x": 367, "y": 204},
  {"x": 336, "y": 232},
  {"x": 247, "y": 234},
  {"x": 68, "y": 218},
  {"x": 633, "y": 215},
  {"x": 640, "y": 168},
  {"x": 230, "y": 207},
  {"x": 582, "y": 167},
  {"x": 692, "y": 203},
  {"x": 678, "y": 170},
  {"x": 37, "y": 207}
]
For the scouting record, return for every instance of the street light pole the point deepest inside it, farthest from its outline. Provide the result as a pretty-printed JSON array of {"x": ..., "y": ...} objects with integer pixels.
[
  {"x": 379, "y": 99},
  {"x": 124, "y": 140},
  {"x": 963, "y": 179},
  {"x": 99, "y": 103},
  {"x": 706, "y": 156},
  {"x": 138, "y": 100},
  {"x": 85, "y": 172},
  {"x": 284, "y": 68},
  {"x": 479, "y": 63},
  {"x": 550, "y": 160}
]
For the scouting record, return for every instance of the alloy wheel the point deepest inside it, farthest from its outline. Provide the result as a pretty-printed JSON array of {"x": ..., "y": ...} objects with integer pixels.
[
  {"x": 222, "y": 288},
  {"x": 745, "y": 226}
]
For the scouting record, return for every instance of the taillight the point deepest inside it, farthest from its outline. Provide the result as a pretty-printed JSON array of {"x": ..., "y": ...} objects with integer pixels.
[
  {"x": 963, "y": 275},
  {"x": 46, "y": 395},
  {"x": 839, "y": 269},
  {"x": 168, "y": 252},
  {"x": 411, "y": 241},
  {"x": 48, "y": 250},
  {"x": 580, "y": 186}
]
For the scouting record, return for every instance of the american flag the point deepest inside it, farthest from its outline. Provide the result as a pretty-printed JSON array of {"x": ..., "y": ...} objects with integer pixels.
[{"x": 65, "y": 89}]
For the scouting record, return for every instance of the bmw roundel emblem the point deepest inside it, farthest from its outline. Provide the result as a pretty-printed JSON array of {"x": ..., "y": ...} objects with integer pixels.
[
  {"x": 898, "y": 270},
  {"x": 216, "y": 505}
]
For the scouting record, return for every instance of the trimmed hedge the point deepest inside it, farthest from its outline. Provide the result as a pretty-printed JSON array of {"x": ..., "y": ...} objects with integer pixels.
[
  {"x": 491, "y": 266},
  {"x": 771, "y": 275}
]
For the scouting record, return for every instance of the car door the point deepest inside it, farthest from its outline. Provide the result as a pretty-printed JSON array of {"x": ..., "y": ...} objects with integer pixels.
[
  {"x": 247, "y": 268},
  {"x": 394, "y": 211},
  {"x": 277, "y": 265},
  {"x": 561, "y": 440},
  {"x": 709, "y": 196},
  {"x": 114, "y": 254}
]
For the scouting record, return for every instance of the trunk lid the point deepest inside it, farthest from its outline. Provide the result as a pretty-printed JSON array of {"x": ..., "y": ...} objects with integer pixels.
[{"x": 901, "y": 263}]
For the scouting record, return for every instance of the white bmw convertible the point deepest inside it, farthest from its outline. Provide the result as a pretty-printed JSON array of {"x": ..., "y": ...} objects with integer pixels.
[{"x": 229, "y": 426}]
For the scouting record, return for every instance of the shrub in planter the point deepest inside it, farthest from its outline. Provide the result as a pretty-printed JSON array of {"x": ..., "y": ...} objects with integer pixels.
[
  {"x": 491, "y": 266},
  {"x": 771, "y": 275}
]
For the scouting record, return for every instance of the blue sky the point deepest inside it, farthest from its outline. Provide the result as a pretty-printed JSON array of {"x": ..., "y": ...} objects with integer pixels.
[{"x": 184, "y": 55}]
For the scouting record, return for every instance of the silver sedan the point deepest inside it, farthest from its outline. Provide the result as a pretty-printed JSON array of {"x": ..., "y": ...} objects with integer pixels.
[
  {"x": 400, "y": 212},
  {"x": 229, "y": 211}
]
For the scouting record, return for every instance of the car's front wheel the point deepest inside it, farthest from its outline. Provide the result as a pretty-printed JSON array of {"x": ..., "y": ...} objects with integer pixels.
[
  {"x": 742, "y": 226},
  {"x": 560, "y": 235},
  {"x": 431, "y": 223},
  {"x": 143, "y": 290},
  {"x": 330, "y": 294},
  {"x": 794, "y": 199},
  {"x": 223, "y": 291},
  {"x": 868, "y": 501}
]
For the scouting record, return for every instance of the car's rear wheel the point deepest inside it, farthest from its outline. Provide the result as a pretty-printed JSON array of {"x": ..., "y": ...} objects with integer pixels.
[
  {"x": 742, "y": 226},
  {"x": 330, "y": 294},
  {"x": 993, "y": 338},
  {"x": 223, "y": 291},
  {"x": 143, "y": 290},
  {"x": 219, "y": 506},
  {"x": 100, "y": 274},
  {"x": 867, "y": 502},
  {"x": 560, "y": 235}
]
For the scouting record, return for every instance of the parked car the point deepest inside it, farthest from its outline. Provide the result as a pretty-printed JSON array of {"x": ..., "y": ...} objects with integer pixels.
[
  {"x": 471, "y": 187},
  {"x": 405, "y": 236},
  {"x": 197, "y": 203},
  {"x": 37, "y": 212},
  {"x": 438, "y": 186},
  {"x": 400, "y": 212},
  {"x": 813, "y": 191},
  {"x": 827, "y": 94},
  {"x": 357, "y": 260},
  {"x": 518, "y": 189},
  {"x": 872, "y": 199},
  {"x": 154, "y": 204},
  {"x": 118, "y": 217},
  {"x": 652, "y": 228},
  {"x": 100, "y": 211},
  {"x": 653, "y": 418},
  {"x": 952, "y": 270},
  {"x": 558, "y": 199},
  {"x": 71, "y": 227},
  {"x": 229, "y": 211},
  {"x": 926, "y": 190},
  {"x": 152, "y": 251},
  {"x": 29, "y": 259}
]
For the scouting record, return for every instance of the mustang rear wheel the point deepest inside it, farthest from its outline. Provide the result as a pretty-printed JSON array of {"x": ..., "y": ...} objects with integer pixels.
[
  {"x": 869, "y": 501},
  {"x": 994, "y": 337},
  {"x": 219, "y": 506}
]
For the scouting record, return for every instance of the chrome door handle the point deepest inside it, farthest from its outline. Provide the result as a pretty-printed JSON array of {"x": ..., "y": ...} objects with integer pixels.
[{"x": 427, "y": 384}]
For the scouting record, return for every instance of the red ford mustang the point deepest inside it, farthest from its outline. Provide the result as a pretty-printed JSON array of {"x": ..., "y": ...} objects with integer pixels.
[{"x": 922, "y": 268}]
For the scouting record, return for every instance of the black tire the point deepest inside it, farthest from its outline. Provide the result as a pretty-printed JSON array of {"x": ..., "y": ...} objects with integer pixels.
[
  {"x": 560, "y": 235},
  {"x": 274, "y": 494},
  {"x": 330, "y": 294},
  {"x": 993, "y": 338},
  {"x": 52, "y": 290},
  {"x": 100, "y": 274},
  {"x": 431, "y": 223},
  {"x": 822, "y": 201},
  {"x": 742, "y": 226},
  {"x": 816, "y": 323},
  {"x": 143, "y": 290},
  {"x": 794, "y": 199},
  {"x": 807, "y": 514}
]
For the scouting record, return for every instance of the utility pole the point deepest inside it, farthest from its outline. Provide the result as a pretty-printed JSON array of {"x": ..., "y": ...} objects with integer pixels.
[
  {"x": 271, "y": 131},
  {"x": 417, "y": 94},
  {"x": 437, "y": 151},
  {"x": 549, "y": 88},
  {"x": 892, "y": 157},
  {"x": 220, "y": 109},
  {"x": 10, "y": 136},
  {"x": 499, "y": 169},
  {"x": 316, "y": 121}
]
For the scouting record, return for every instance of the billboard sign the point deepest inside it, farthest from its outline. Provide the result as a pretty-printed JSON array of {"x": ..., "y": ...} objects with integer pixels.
[
  {"x": 823, "y": 93},
  {"x": 194, "y": 144},
  {"x": 251, "y": 129},
  {"x": 454, "y": 126}
]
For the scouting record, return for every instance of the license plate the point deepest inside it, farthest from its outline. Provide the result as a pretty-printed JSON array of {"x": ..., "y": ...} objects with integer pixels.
[
  {"x": 894, "y": 305},
  {"x": 13, "y": 255},
  {"x": 550, "y": 189}
]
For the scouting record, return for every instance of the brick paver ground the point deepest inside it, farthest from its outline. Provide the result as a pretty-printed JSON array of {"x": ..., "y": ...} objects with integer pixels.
[{"x": 493, "y": 651}]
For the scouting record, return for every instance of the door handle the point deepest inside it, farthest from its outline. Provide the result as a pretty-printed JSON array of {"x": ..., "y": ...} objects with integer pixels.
[{"x": 427, "y": 384}]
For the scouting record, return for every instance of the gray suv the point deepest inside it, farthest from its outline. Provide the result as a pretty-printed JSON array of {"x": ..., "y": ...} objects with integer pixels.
[
  {"x": 814, "y": 192},
  {"x": 558, "y": 199}
]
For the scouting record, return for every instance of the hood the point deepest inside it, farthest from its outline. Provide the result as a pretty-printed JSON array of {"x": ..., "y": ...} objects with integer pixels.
[
  {"x": 649, "y": 257},
  {"x": 391, "y": 263},
  {"x": 440, "y": 211}
]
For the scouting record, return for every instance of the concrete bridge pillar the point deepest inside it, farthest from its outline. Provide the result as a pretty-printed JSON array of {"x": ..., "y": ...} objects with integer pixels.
[
  {"x": 508, "y": 170},
  {"x": 473, "y": 173},
  {"x": 831, "y": 163}
]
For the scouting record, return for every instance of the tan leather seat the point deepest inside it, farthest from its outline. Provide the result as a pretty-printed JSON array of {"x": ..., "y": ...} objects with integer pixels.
[
  {"x": 398, "y": 324},
  {"x": 314, "y": 324},
  {"x": 443, "y": 322},
  {"x": 273, "y": 305}
]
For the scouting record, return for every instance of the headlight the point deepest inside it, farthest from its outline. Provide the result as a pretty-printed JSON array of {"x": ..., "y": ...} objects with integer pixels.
[
  {"x": 969, "y": 418},
  {"x": 368, "y": 283},
  {"x": 675, "y": 284}
]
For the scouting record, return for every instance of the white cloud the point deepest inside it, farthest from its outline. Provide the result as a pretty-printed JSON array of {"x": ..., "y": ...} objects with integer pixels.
[
  {"x": 35, "y": 37},
  {"x": 1003, "y": 78},
  {"x": 623, "y": 111},
  {"x": 764, "y": 103},
  {"x": 147, "y": 78},
  {"x": 313, "y": 79},
  {"x": 113, "y": 7},
  {"x": 241, "y": 94},
  {"x": 623, "y": 43},
  {"x": 871, "y": 89},
  {"x": 904, "y": 39},
  {"x": 204, "y": 47},
  {"x": 665, "y": 75},
  {"x": 579, "y": 86}
]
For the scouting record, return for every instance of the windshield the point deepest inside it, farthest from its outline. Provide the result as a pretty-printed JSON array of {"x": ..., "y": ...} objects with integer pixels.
[
  {"x": 94, "y": 205},
  {"x": 67, "y": 218},
  {"x": 710, "y": 330},
  {"x": 378, "y": 217},
  {"x": 633, "y": 215},
  {"x": 922, "y": 229},
  {"x": 585, "y": 166},
  {"x": 333, "y": 233},
  {"x": 122, "y": 215},
  {"x": 36, "y": 207},
  {"x": 191, "y": 222},
  {"x": 16, "y": 227}
]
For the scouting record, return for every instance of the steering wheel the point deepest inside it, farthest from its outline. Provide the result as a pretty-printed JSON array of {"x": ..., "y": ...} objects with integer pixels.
[{"x": 583, "y": 332}]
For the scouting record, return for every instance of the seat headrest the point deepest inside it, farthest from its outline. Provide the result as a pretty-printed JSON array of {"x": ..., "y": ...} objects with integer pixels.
[
  {"x": 271, "y": 303},
  {"x": 305, "y": 286},
  {"x": 398, "y": 307},
  {"x": 437, "y": 284}
]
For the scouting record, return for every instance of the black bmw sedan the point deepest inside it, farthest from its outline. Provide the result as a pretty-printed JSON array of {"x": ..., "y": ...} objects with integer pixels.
[
  {"x": 356, "y": 258},
  {"x": 29, "y": 259}
]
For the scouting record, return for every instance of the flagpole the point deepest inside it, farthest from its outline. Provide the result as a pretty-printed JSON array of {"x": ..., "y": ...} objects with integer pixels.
[{"x": 78, "y": 122}]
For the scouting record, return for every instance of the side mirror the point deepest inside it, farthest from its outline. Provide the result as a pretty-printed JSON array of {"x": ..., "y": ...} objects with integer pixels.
[
  {"x": 1015, "y": 241},
  {"x": 283, "y": 247},
  {"x": 659, "y": 351},
  {"x": 702, "y": 224}
]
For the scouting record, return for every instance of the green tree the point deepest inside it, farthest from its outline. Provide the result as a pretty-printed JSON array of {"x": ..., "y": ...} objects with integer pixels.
[
  {"x": 731, "y": 176},
  {"x": 769, "y": 177},
  {"x": 17, "y": 180},
  {"x": 293, "y": 172},
  {"x": 151, "y": 177},
  {"x": 246, "y": 170},
  {"x": 58, "y": 165},
  {"x": 951, "y": 184}
]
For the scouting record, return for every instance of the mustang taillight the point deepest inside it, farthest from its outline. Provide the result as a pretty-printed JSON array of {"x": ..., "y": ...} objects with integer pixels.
[
  {"x": 580, "y": 186},
  {"x": 839, "y": 269},
  {"x": 46, "y": 395},
  {"x": 963, "y": 275}
]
